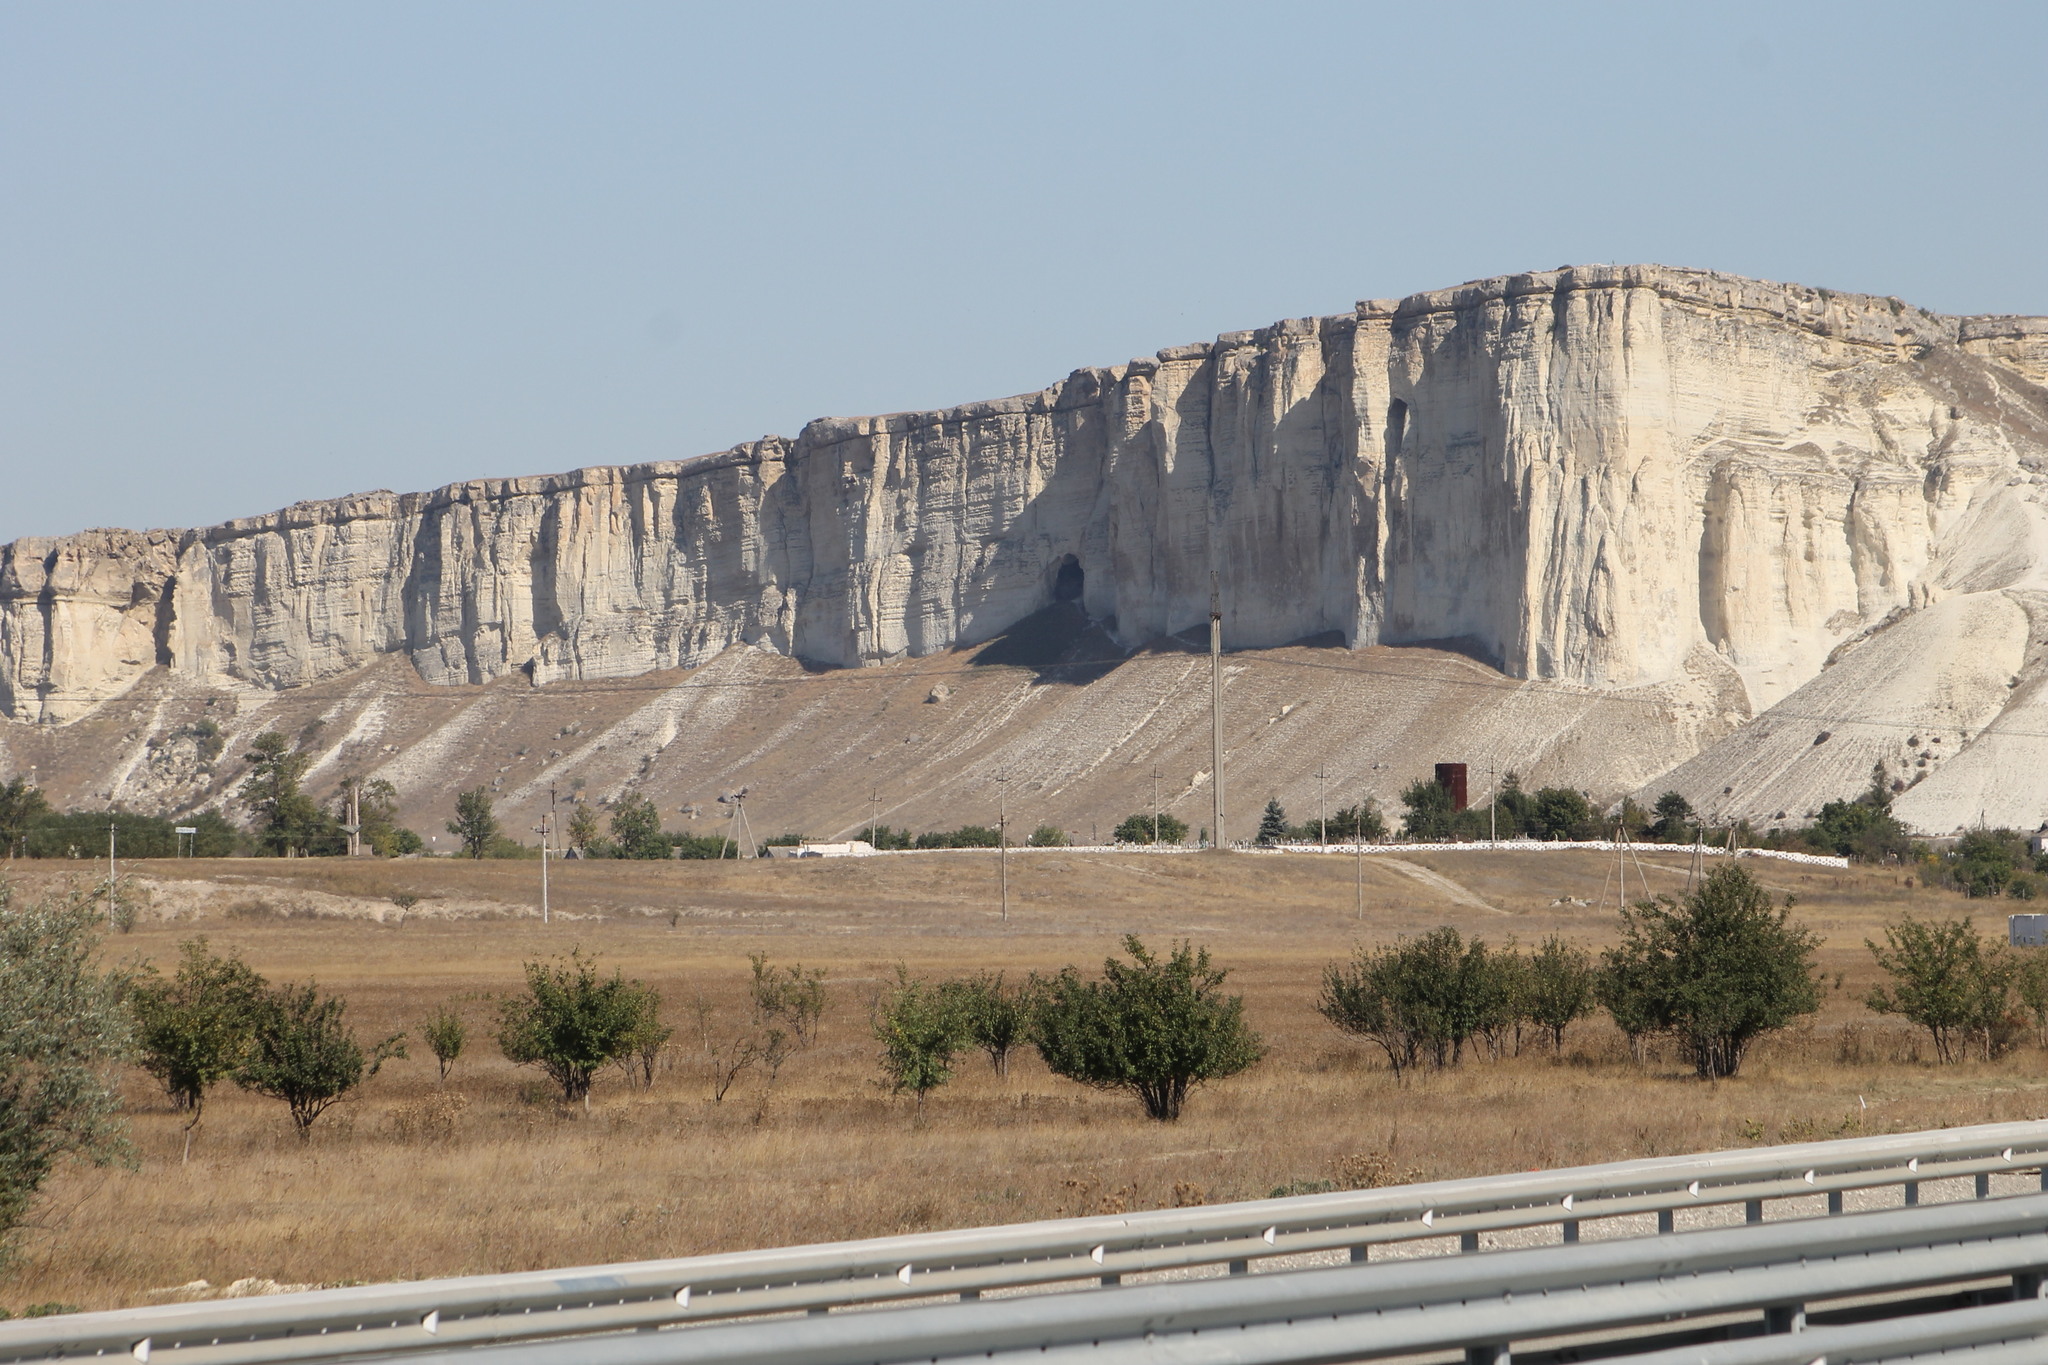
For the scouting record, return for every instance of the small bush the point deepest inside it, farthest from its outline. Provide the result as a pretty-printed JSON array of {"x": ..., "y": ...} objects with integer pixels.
[
  {"x": 571, "y": 1022},
  {"x": 1048, "y": 836},
  {"x": 1944, "y": 978},
  {"x": 921, "y": 1030}
]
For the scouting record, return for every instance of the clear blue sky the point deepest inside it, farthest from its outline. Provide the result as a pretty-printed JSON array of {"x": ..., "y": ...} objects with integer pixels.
[{"x": 254, "y": 253}]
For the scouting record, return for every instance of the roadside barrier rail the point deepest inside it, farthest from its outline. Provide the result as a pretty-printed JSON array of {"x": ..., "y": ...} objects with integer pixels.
[
  {"x": 1768, "y": 1278},
  {"x": 1085, "y": 1254}
]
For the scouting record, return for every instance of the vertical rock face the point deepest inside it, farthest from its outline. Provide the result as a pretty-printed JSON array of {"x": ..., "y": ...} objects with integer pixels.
[{"x": 1585, "y": 475}]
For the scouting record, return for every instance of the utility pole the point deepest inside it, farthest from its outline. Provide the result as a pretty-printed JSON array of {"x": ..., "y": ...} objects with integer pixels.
[
  {"x": 874, "y": 807},
  {"x": 1493, "y": 802},
  {"x": 110, "y": 872},
  {"x": 1322, "y": 808},
  {"x": 1155, "y": 805},
  {"x": 1216, "y": 711},
  {"x": 1003, "y": 838},
  {"x": 546, "y": 821},
  {"x": 1358, "y": 832}
]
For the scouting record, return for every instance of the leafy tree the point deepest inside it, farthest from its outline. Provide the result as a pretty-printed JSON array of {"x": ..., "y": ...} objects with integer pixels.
[
  {"x": 288, "y": 819},
  {"x": 377, "y": 808},
  {"x": 1863, "y": 829},
  {"x": 1424, "y": 996},
  {"x": 1985, "y": 861},
  {"x": 996, "y": 1018},
  {"x": 62, "y": 1026},
  {"x": 445, "y": 1033},
  {"x": 1153, "y": 1026},
  {"x": 1048, "y": 836},
  {"x": 788, "y": 997},
  {"x": 20, "y": 807},
  {"x": 1561, "y": 813},
  {"x": 1272, "y": 825},
  {"x": 1674, "y": 824},
  {"x": 2030, "y": 984},
  {"x": 921, "y": 1030},
  {"x": 1137, "y": 829},
  {"x": 571, "y": 1022},
  {"x": 967, "y": 836},
  {"x": 474, "y": 824},
  {"x": 583, "y": 826},
  {"x": 1561, "y": 988},
  {"x": 888, "y": 837},
  {"x": 1429, "y": 814},
  {"x": 636, "y": 829},
  {"x": 303, "y": 1053},
  {"x": 645, "y": 1040},
  {"x": 195, "y": 1029},
  {"x": 1514, "y": 809},
  {"x": 1717, "y": 970},
  {"x": 1944, "y": 978},
  {"x": 1360, "y": 822}
]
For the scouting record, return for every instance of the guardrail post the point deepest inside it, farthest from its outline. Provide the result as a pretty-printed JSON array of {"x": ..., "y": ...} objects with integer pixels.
[
  {"x": 969, "y": 1295},
  {"x": 1664, "y": 1223},
  {"x": 1983, "y": 1184},
  {"x": 2044, "y": 1180},
  {"x": 1110, "y": 1281},
  {"x": 1753, "y": 1211},
  {"x": 1493, "y": 1353},
  {"x": 1468, "y": 1242},
  {"x": 1240, "y": 1267},
  {"x": 1912, "y": 1193},
  {"x": 1834, "y": 1201},
  {"x": 1789, "y": 1317},
  {"x": 2028, "y": 1284},
  {"x": 1571, "y": 1230},
  {"x": 1359, "y": 1254}
]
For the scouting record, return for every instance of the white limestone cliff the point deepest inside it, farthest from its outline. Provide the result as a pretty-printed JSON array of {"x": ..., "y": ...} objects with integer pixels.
[{"x": 1597, "y": 476}]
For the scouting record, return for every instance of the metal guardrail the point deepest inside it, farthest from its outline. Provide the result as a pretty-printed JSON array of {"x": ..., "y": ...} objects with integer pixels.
[
  {"x": 1080, "y": 1253},
  {"x": 1483, "y": 1306}
]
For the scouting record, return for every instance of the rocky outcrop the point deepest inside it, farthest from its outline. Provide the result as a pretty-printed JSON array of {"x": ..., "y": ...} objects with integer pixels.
[{"x": 1587, "y": 476}]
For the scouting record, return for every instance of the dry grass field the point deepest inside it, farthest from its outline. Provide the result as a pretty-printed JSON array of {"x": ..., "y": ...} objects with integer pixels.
[{"x": 491, "y": 1174}]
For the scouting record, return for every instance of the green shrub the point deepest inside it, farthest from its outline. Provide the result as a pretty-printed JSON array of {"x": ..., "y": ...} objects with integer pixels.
[
  {"x": 445, "y": 1034},
  {"x": 571, "y": 1022},
  {"x": 996, "y": 1017},
  {"x": 303, "y": 1053},
  {"x": 921, "y": 1030},
  {"x": 195, "y": 1029},
  {"x": 1426, "y": 997},
  {"x": 1429, "y": 814},
  {"x": 62, "y": 1025},
  {"x": 1943, "y": 977},
  {"x": 1048, "y": 836},
  {"x": 1156, "y": 1027},
  {"x": 1716, "y": 970},
  {"x": 1137, "y": 829},
  {"x": 1561, "y": 988}
]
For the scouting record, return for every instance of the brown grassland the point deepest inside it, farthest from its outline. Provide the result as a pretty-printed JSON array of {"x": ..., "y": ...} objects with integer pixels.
[{"x": 492, "y": 1174}]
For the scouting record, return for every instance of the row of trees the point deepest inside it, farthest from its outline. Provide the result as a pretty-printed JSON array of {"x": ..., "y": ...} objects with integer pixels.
[
  {"x": 1713, "y": 971},
  {"x": 1153, "y": 1026}
]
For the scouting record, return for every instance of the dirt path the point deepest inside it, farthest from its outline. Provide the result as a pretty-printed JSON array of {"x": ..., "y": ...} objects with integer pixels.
[{"x": 1439, "y": 883}]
